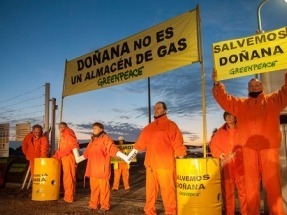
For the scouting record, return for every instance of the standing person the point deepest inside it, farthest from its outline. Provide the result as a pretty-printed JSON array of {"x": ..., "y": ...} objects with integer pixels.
[
  {"x": 224, "y": 145},
  {"x": 121, "y": 169},
  {"x": 259, "y": 134},
  {"x": 35, "y": 145},
  {"x": 67, "y": 144},
  {"x": 99, "y": 152},
  {"x": 162, "y": 140}
]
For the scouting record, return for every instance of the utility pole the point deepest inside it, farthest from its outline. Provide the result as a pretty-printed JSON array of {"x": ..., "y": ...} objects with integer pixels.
[
  {"x": 47, "y": 105},
  {"x": 53, "y": 126}
]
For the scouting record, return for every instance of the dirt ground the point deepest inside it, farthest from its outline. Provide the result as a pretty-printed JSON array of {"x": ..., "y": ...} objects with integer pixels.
[{"x": 17, "y": 201}]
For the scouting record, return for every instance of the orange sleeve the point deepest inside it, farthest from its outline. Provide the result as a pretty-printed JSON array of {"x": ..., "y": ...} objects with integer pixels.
[
  {"x": 63, "y": 153},
  {"x": 44, "y": 146},
  {"x": 227, "y": 102},
  {"x": 177, "y": 140},
  {"x": 141, "y": 143},
  {"x": 112, "y": 149},
  {"x": 87, "y": 150},
  {"x": 214, "y": 145},
  {"x": 68, "y": 142},
  {"x": 25, "y": 143},
  {"x": 72, "y": 139}
]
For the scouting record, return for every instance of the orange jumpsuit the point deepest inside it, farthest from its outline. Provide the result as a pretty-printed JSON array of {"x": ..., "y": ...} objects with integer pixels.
[
  {"x": 99, "y": 152},
  {"x": 121, "y": 169},
  {"x": 162, "y": 140},
  {"x": 260, "y": 136},
  {"x": 225, "y": 142},
  {"x": 68, "y": 142},
  {"x": 35, "y": 148}
]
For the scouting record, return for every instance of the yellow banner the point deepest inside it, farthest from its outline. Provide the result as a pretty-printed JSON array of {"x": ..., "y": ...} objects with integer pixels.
[
  {"x": 250, "y": 55},
  {"x": 164, "y": 47}
]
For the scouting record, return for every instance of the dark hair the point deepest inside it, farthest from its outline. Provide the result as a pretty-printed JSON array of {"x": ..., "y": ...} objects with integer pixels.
[
  {"x": 64, "y": 124},
  {"x": 37, "y": 126},
  {"x": 225, "y": 114},
  {"x": 100, "y": 125},
  {"x": 163, "y": 105}
]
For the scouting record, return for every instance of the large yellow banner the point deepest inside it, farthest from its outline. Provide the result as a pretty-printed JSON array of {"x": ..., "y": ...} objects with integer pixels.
[
  {"x": 164, "y": 47},
  {"x": 259, "y": 53}
]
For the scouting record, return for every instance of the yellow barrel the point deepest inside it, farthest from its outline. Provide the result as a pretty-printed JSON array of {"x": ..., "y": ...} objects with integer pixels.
[
  {"x": 198, "y": 186},
  {"x": 46, "y": 179}
]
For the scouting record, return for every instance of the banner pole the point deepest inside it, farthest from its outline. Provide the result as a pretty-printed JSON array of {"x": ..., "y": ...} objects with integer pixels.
[
  {"x": 202, "y": 80},
  {"x": 62, "y": 101}
]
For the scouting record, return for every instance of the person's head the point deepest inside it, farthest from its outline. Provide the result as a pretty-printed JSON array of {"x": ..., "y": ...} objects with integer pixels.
[
  {"x": 255, "y": 87},
  {"x": 159, "y": 109},
  {"x": 97, "y": 128},
  {"x": 37, "y": 131},
  {"x": 62, "y": 126},
  {"x": 229, "y": 118},
  {"x": 121, "y": 139}
]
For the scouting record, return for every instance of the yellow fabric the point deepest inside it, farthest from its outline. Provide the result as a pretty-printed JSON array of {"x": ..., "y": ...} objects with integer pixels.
[
  {"x": 166, "y": 46},
  {"x": 116, "y": 165},
  {"x": 258, "y": 53}
]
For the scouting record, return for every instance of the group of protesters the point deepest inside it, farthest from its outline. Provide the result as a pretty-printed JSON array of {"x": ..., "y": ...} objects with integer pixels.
[{"x": 247, "y": 146}]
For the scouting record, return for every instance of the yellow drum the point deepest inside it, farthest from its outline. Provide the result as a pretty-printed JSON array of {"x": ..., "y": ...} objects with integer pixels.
[
  {"x": 46, "y": 179},
  {"x": 198, "y": 186}
]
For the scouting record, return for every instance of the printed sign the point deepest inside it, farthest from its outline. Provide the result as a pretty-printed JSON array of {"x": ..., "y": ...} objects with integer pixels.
[
  {"x": 126, "y": 149},
  {"x": 164, "y": 47},
  {"x": 4, "y": 140},
  {"x": 259, "y": 53}
]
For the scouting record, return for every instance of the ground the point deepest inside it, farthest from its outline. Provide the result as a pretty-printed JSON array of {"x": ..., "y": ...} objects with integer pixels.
[{"x": 17, "y": 201}]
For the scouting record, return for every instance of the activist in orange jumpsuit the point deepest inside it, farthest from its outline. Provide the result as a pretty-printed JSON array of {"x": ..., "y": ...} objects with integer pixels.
[
  {"x": 99, "y": 152},
  {"x": 67, "y": 143},
  {"x": 35, "y": 145},
  {"x": 162, "y": 140},
  {"x": 224, "y": 145},
  {"x": 260, "y": 137},
  {"x": 121, "y": 169}
]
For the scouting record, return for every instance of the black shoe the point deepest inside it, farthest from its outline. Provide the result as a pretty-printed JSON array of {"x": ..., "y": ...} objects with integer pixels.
[
  {"x": 63, "y": 201},
  {"x": 101, "y": 211},
  {"x": 90, "y": 209}
]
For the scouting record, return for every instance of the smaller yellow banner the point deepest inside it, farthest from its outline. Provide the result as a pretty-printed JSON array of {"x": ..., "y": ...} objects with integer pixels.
[
  {"x": 251, "y": 55},
  {"x": 125, "y": 148}
]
